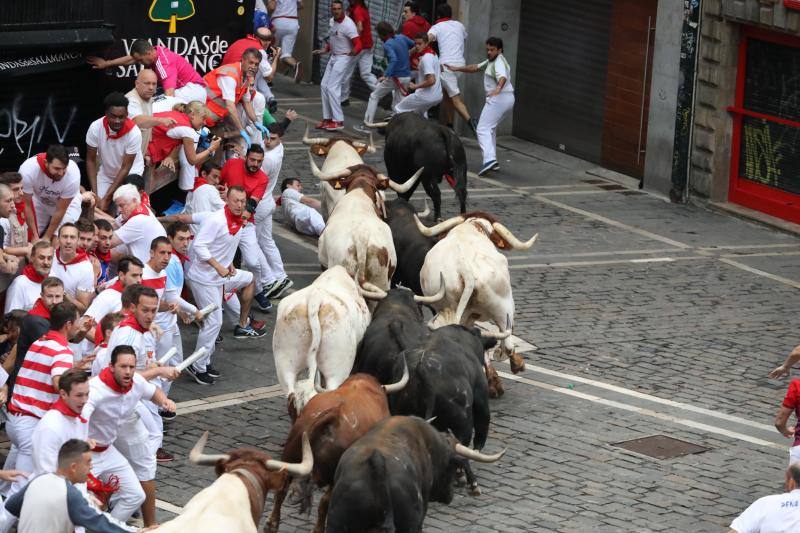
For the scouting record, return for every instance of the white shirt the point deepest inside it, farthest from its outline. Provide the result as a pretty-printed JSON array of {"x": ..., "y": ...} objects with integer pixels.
[
  {"x": 108, "y": 301},
  {"x": 228, "y": 88},
  {"x": 157, "y": 104},
  {"x": 138, "y": 232},
  {"x": 181, "y": 132},
  {"x": 264, "y": 70},
  {"x": 46, "y": 191},
  {"x": 493, "y": 71},
  {"x": 107, "y": 409},
  {"x": 76, "y": 276},
  {"x": 341, "y": 36},
  {"x": 212, "y": 240},
  {"x": 143, "y": 344},
  {"x": 450, "y": 35},
  {"x": 112, "y": 151},
  {"x": 22, "y": 294},
  {"x": 290, "y": 200},
  {"x": 273, "y": 160},
  {"x": 53, "y": 430},
  {"x": 778, "y": 513},
  {"x": 285, "y": 8},
  {"x": 429, "y": 64},
  {"x": 205, "y": 198}
]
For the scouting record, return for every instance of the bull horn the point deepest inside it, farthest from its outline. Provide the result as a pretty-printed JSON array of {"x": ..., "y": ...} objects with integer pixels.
[
  {"x": 376, "y": 124},
  {"x": 405, "y": 186},
  {"x": 311, "y": 141},
  {"x": 368, "y": 291},
  {"x": 323, "y": 176},
  {"x": 475, "y": 455},
  {"x": 436, "y": 297},
  {"x": 441, "y": 227},
  {"x": 318, "y": 383},
  {"x": 296, "y": 469},
  {"x": 197, "y": 456},
  {"x": 400, "y": 385},
  {"x": 427, "y": 210},
  {"x": 509, "y": 237},
  {"x": 431, "y": 419},
  {"x": 500, "y": 335}
]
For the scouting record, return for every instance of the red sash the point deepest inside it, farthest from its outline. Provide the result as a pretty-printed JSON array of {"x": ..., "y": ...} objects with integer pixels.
[{"x": 126, "y": 127}]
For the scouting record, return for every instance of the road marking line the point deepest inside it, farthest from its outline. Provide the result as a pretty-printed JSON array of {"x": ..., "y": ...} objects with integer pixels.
[
  {"x": 747, "y": 246},
  {"x": 166, "y": 506},
  {"x": 653, "y": 260},
  {"x": 757, "y": 272},
  {"x": 646, "y": 412},
  {"x": 762, "y": 254},
  {"x": 593, "y": 254},
  {"x": 582, "y": 191},
  {"x": 607, "y": 262},
  {"x": 226, "y": 400},
  {"x": 610, "y": 222}
]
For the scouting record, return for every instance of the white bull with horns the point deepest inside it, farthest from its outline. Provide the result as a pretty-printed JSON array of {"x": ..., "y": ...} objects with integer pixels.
[
  {"x": 476, "y": 277},
  {"x": 341, "y": 153}
]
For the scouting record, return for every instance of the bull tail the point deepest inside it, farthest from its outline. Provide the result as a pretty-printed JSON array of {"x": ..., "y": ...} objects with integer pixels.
[
  {"x": 458, "y": 162},
  {"x": 425, "y": 393},
  {"x": 316, "y": 331},
  {"x": 380, "y": 480},
  {"x": 469, "y": 288}
]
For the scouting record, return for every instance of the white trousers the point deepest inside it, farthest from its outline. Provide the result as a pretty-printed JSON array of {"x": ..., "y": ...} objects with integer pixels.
[
  {"x": 286, "y": 34},
  {"x": 212, "y": 294},
  {"x": 171, "y": 337},
  {"x": 383, "y": 88},
  {"x": 130, "y": 495},
  {"x": 263, "y": 220},
  {"x": 418, "y": 103},
  {"x": 331, "y": 86},
  {"x": 191, "y": 92},
  {"x": 20, "y": 432},
  {"x": 306, "y": 220},
  {"x": 496, "y": 108},
  {"x": 254, "y": 259},
  {"x": 136, "y": 440},
  {"x": 187, "y": 172},
  {"x": 364, "y": 62}
]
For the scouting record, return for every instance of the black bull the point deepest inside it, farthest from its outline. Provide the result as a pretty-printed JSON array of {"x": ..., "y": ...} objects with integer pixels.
[
  {"x": 410, "y": 244},
  {"x": 413, "y": 142}
]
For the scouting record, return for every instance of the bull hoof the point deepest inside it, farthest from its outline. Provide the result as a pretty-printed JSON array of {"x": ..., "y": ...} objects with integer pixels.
[
  {"x": 495, "y": 385},
  {"x": 475, "y": 490},
  {"x": 517, "y": 363},
  {"x": 461, "y": 478},
  {"x": 271, "y": 528}
]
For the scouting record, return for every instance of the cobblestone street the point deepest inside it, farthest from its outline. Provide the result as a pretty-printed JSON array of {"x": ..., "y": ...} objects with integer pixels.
[{"x": 645, "y": 318}]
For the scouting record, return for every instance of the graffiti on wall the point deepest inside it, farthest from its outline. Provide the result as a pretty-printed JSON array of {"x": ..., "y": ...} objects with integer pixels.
[{"x": 22, "y": 131}]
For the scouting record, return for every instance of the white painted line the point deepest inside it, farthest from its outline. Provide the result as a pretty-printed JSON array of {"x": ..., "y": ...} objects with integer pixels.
[
  {"x": 593, "y": 254},
  {"x": 488, "y": 180},
  {"x": 647, "y": 412},
  {"x": 581, "y": 191},
  {"x": 762, "y": 254},
  {"x": 279, "y": 230},
  {"x": 757, "y": 272},
  {"x": 610, "y": 222},
  {"x": 601, "y": 263},
  {"x": 653, "y": 260},
  {"x": 166, "y": 506},
  {"x": 748, "y": 246}
]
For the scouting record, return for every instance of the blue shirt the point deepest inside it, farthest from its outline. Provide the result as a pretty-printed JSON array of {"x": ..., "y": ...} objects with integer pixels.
[{"x": 396, "y": 50}]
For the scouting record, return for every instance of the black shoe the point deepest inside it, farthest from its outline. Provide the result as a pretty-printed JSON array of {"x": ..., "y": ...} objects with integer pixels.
[
  {"x": 247, "y": 332},
  {"x": 167, "y": 415},
  {"x": 345, "y": 103},
  {"x": 211, "y": 371},
  {"x": 201, "y": 378},
  {"x": 219, "y": 339},
  {"x": 280, "y": 288}
]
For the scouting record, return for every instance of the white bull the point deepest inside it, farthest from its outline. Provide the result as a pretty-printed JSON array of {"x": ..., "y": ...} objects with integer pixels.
[
  {"x": 341, "y": 153},
  {"x": 355, "y": 237},
  {"x": 319, "y": 327},
  {"x": 476, "y": 277}
]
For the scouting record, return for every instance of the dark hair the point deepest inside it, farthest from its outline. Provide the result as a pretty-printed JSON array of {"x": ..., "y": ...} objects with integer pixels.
[
  {"x": 68, "y": 225},
  {"x": 444, "y": 11},
  {"x": 238, "y": 188},
  {"x": 413, "y": 7},
  {"x": 497, "y": 42},
  {"x": 119, "y": 350},
  {"x": 177, "y": 227},
  {"x": 208, "y": 166},
  {"x": 384, "y": 29},
  {"x": 255, "y": 148},
  {"x": 115, "y": 99},
  {"x": 286, "y": 182},
  {"x": 51, "y": 281},
  {"x": 150, "y": 292},
  {"x": 130, "y": 294},
  {"x": 136, "y": 180},
  {"x": 252, "y": 51},
  {"x": 110, "y": 321},
  {"x": 7, "y": 178},
  {"x": 70, "y": 451},
  {"x": 62, "y": 313},
  {"x": 277, "y": 129},
  {"x": 340, "y": 2},
  {"x": 141, "y": 47},
  {"x": 422, "y": 35},
  {"x": 38, "y": 245},
  {"x": 103, "y": 224},
  {"x": 124, "y": 264},
  {"x": 794, "y": 471},
  {"x": 70, "y": 378},
  {"x": 84, "y": 225},
  {"x": 159, "y": 240},
  {"x": 56, "y": 151},
  {"x": 13, "y": 319}
]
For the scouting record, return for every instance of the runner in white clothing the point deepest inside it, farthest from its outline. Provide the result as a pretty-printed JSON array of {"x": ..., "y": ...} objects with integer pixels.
[
  {"x": 283, "y": 16},
  {"x": 273, "y": 161},
  {"x": 499, "y": 99},
  {"x": 129, "y": 272},
  {"x": 301, "y": 212},
  {"x": 51, "y": 186},
  {"x": 139, "y": 226},
  {"x": 117, "y": 140},
  {"x": 27, "y": 287},
  {"x": 72, "y": 266},
  {"x": 427, "y": 89}
]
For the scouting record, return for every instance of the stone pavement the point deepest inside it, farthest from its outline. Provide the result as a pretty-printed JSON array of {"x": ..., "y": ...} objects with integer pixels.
[{"x": 649, "y": 318}]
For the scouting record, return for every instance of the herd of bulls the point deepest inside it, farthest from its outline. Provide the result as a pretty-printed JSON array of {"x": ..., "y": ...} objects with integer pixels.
[{"x": 387, "y": 409}]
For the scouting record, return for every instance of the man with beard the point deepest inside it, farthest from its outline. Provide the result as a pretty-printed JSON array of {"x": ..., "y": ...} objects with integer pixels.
[
  {"x": 72, "y": 266},
  {"x": 26, "y": 288}
]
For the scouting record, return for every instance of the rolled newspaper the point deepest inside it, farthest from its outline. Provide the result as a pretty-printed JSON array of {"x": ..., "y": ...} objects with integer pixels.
[
  {"x": 191, "y": 359},
  {"x": 207, "y": 310},
  {"x": 167, "y": 356}
]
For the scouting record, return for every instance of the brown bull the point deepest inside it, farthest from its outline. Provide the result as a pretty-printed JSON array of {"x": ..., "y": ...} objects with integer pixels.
[{"x": 333, "y": 420}]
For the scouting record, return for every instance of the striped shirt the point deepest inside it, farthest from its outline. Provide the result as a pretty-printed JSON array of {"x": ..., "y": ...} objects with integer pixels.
[{"x": 47, "y": 358}]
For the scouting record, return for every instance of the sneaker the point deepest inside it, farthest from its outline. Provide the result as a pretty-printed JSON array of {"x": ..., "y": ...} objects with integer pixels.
[
  {"x": 262, "y": 302},
  {"x": 219, "y": 339},
  {"x": 247, "y": 332},
  {"x": 298, "y": 72},
  {"x": 213, "y": 372},
  {"x": 473, "y": 124},
  {"x": 323, "y": 124},
  {"x": 281, "y": 288},
  {"x": 346, "y": 103},
  {"x": 167, "y": 415},
  {"x": 163, "y": 456},
  {"x": 487, "y": 167},
  {"x": 257, "y": 324},
  {"x": 361, "y": 128},
  {"x": 496, "y": 166},
  {"x": 267, "y": 290},
  {"x": 335, "y": 125},
  {"x": 201, "y": 378}
]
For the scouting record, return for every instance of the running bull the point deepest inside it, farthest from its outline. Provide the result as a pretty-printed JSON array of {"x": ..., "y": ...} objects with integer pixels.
[
  {"x": 410, "y": 245},
  {"x": 234, "y": 502},
  {"x": 333, "y": 420},
  {"x": 385, "y": 480}
]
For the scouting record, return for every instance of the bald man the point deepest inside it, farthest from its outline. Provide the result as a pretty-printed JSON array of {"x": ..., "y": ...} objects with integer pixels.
[{"x": 143, "y": 104}]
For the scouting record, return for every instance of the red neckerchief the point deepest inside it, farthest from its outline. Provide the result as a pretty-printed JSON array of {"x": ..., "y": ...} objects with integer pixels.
[
  {"x": 182, "y": 258},
  {"x": 30, "y": 273},
  {"x": 98, "y": 336},
  {"x": 62, "y": 407},
  {"x": 234, "y": 223},
  {"x": 133, "y": 323},
  {"x": 116, "y": 286},
  {"x": 79, "y": 257},
  {"x": 39, "y": 309},
  {"x": 42, "y": 160},
  {"x": 56, "y": 336},
  {"x": 107, "y": 377},
  {"x": 199, "y": 182},
  {"x": 126, "y": 127},
  {"x": 141, "y": 210},
  {"x": 145, "y": 199},
  {"x": 445, "y": 19},
  {"x": 20, "y": 208},
  {"x": 428, "y": 50},
  {"x": 103, "y": 257}
]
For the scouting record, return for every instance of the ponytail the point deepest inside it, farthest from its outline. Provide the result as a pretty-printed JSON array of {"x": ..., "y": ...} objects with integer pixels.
[{"x": 181, "y": 108}]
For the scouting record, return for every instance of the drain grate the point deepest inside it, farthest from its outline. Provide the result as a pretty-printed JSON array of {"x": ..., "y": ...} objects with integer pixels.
[{"x": 660, "y": 447}]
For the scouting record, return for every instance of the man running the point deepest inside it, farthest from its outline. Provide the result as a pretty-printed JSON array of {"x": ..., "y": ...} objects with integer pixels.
[
  {"x": 360, "y": 15},
  {"x": 283, "y": 15},
  {"x": 428, "y": 88}
]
